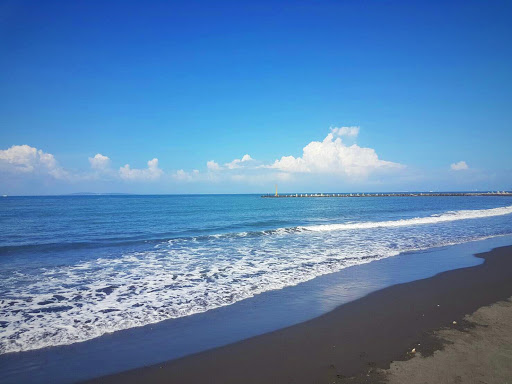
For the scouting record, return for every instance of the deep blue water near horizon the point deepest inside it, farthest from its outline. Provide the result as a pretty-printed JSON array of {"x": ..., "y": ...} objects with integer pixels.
[{"x": 87, "y": 273}]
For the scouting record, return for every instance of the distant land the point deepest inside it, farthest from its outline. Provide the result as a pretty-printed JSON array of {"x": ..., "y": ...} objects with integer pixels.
[{"x": 96, "y": 194}]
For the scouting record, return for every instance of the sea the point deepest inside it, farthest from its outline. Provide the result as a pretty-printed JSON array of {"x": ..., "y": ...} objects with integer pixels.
[{"x": 83, "y": 275}]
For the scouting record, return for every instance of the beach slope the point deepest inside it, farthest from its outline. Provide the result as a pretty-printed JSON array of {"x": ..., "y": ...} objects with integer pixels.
[{"x": 352, "y": 343}]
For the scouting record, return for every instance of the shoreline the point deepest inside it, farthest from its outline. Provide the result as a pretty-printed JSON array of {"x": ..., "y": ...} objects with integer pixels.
[{"x": 351, "y": 340}]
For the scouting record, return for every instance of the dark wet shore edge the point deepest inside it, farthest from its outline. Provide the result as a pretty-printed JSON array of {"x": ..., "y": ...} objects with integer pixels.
[{"x": 350, "y": 341}]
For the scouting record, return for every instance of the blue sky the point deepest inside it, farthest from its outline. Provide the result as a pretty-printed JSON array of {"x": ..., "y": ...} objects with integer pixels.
[{"x": 422, "y": 89}]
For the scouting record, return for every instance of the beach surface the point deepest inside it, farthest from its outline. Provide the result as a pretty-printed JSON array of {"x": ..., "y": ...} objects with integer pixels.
[
  {"x": 358, "y": 341},
  {"x": 481, "y": 353}
]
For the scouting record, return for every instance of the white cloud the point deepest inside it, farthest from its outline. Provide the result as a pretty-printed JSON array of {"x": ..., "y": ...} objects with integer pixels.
[
  {"x": 333, "y": 156},
  {"x": 182, "y": 175},
  {"x": 291, "y": 164},
  {"x": 186, "y": 176},
  {"x": 345, "y": 131},
  {"x": 237, "y": 163},
  {"x": 460, "y": 166},
  {"x": 99, "y": 162},
  {"x": 152, "y": 172},
  {"x": 27, "y": 159},
  {"x": 212, "y": 166},
  {"x": 319, "y": 158}
]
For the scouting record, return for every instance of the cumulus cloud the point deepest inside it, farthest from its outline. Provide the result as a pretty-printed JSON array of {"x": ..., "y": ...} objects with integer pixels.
[
  {"x": 99, "y": 162},
  {"x": 152, "y": 172},
  {"x": 237, "y": 163},
  {"x": 333, "y": 156},
  {"x": 460, "y": 166},
  {"x": 212, "y": 166},
  {"x": 186, "y": 176},
  {"x": 345, "y": 131},
  {"x": 27, "y": 159}
]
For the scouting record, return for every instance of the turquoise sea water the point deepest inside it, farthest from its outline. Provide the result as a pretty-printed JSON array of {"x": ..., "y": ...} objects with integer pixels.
[{"x": 73, "y": 268}]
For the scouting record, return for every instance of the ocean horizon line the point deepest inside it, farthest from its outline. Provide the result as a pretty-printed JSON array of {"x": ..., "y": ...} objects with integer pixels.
[{"x": 254, "y": 193}]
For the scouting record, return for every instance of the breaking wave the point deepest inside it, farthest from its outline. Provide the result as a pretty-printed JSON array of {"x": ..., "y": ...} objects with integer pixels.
[{"x": 64, "y": 304}]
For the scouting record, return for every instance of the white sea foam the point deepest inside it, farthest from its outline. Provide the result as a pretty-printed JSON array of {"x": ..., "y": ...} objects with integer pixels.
[
  {"x": 73, "y": 303},
  {"x": 434, "y": 219}
]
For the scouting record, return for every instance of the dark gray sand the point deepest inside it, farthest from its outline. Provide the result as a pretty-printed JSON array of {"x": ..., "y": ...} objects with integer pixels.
[
  {"x": 355, "y": 342},
  {"x": 480, "y": 354}
]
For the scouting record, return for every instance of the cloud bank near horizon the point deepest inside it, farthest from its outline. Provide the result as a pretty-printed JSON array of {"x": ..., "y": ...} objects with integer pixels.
[{"x": 331, "y": 159}]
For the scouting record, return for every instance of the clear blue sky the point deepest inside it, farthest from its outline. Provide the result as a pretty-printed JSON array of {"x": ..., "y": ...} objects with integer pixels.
[{"x": 428, "y": 83}]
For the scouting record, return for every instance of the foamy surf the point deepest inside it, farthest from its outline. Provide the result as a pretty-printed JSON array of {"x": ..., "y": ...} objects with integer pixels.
[
  {"x": 434, "y": 219},
  {"x": 68, "y": 303}
]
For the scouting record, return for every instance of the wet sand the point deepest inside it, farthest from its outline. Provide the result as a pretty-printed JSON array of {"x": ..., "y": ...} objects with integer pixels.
[{"x": 355, "y": 342}]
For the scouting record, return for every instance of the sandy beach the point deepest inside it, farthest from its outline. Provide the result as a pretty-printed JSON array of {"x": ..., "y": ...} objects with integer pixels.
[
  {"x": 358, "y": 341},
  {"x": 479, "y": 353}
]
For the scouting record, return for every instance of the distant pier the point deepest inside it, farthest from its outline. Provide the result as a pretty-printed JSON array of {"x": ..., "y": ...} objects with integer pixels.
[{"x": 392, "y": 194}]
